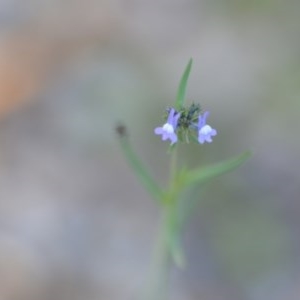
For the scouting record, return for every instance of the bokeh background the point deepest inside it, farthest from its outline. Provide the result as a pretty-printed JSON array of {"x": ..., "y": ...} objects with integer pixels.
[{"x": 74, "y": 221}]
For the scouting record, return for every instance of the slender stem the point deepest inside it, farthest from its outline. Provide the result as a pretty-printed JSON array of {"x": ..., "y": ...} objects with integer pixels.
[
  {"x": 163, "y": 257},
  {"x": 173, "y": 165}
]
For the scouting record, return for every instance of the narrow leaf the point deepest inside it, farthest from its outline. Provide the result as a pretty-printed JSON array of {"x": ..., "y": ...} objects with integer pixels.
[
  {"x": 204, "y": 174},
  {"x": 141, "y": 172},
  {"x": 182, "y": 86},
  {"x": 200, "y": 176}
]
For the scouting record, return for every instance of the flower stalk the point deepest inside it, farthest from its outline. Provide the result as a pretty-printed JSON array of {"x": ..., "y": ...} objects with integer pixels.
[{"x": 182, "y": 124}]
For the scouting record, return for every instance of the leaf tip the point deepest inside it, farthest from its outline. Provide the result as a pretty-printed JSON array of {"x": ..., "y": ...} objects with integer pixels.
[{"x": 182, "y": 85}]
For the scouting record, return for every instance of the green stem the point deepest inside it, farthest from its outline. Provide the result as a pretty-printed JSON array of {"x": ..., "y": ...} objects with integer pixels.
[
  {"x": 173, "y": 166},
  {"x": 162, "y": 259}
]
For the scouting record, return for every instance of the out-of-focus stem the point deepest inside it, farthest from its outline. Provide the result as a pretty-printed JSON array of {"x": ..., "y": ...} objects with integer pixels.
[
  {"x": 163, "y": 256},
  {"x": 173, "y": 166},
  {"x": 162, "y": 259}
]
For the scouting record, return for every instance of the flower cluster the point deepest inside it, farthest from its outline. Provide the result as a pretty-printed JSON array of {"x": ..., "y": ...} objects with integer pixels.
[{"x": 186, "y": 123}]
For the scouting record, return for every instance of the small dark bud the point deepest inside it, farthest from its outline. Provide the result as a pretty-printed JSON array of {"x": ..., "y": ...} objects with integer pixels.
[{"x": 121, "y": 130}]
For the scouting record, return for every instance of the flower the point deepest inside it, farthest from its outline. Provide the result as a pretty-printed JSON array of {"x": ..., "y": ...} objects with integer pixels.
[
  {"x": 167, "y": 131},
  {"x": 205, "y": 132}
]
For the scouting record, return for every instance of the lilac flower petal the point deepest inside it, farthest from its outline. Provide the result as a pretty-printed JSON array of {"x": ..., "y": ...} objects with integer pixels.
[
  {"x": 201, "y": 139},
  {"x": 173, "y": 138},
  {"x": 171, "y": 116},
  {"x": 167, "y": 131},
  {"x": 205, "y": 131},
  {"x": 175, "y": 120},
  {"x": 205, "y": 116},
  {"x": 213, "y": 132},
  {"x": 208, "y": 139},
  {"x": 158, "y": 130},
  {"x": 200, "y": 122},
  {"x": 202, "y": 119},
  {"x": 165, "y": 136}
]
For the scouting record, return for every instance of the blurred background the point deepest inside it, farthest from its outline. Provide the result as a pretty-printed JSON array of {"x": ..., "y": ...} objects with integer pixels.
[{"x": 74, "y": 221}]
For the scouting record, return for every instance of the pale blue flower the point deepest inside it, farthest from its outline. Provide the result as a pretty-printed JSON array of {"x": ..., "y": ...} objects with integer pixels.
[
  {"x": 205, "y": 132},
  {"x": 167, "y": 131}
]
